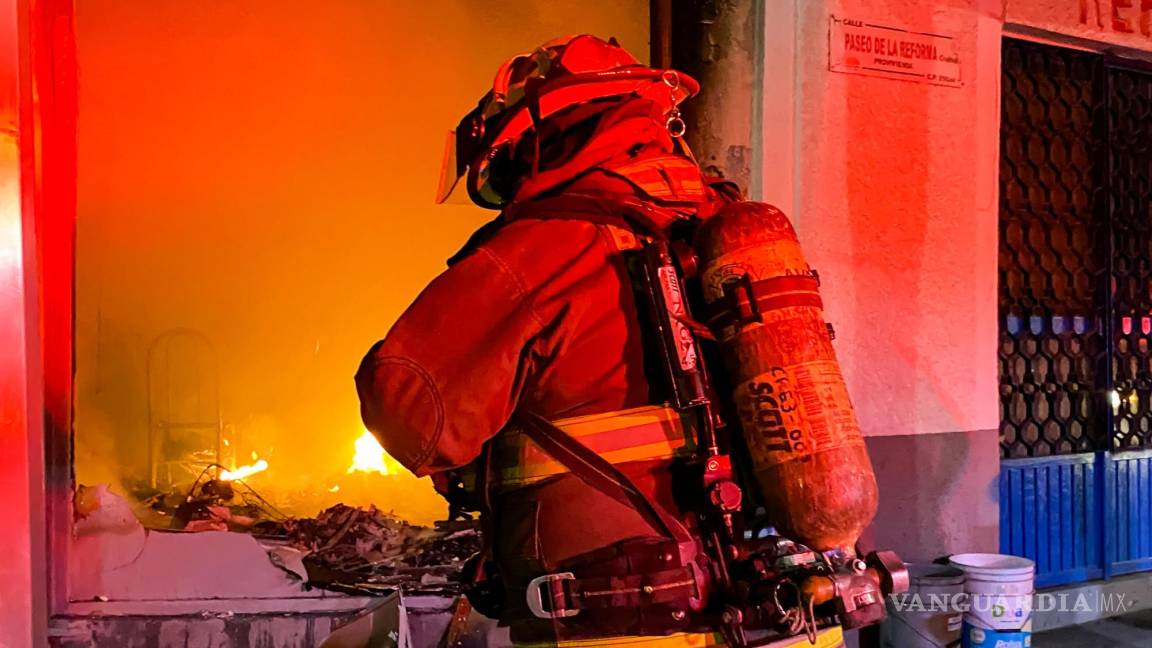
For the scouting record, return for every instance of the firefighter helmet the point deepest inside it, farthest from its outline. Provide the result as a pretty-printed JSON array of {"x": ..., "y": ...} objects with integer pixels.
[{"x": 572, "y": 104}]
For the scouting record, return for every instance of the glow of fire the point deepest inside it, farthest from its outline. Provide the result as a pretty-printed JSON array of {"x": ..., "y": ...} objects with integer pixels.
[
  {"x": 369, "y": 457},
  {"x": 244, "y": 471}
]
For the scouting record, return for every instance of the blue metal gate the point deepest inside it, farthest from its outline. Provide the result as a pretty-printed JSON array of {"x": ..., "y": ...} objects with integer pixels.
[
  {"x": 1075, "y": 313},
  {"x": 1080, "y": 517}
]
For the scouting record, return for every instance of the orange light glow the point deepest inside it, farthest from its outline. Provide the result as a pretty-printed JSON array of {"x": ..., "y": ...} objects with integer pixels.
[
  {"x": 369, "y": 457},
  {"x": 244, "y": 471},
  {"x": 266, "y": 274}
]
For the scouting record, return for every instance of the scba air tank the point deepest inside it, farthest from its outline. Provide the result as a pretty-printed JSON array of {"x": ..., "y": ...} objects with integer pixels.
[{"x": 763, "y": 304}]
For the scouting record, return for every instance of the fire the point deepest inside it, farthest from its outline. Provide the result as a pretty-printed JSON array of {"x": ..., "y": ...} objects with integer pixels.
[
  {"x": 244, "y": 471},
  {"x": 369, "y": 457}
]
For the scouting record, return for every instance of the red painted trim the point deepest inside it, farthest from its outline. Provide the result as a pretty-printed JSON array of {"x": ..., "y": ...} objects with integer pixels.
[
  {"x": 23, "y": 615},
  {"x": 37, "y": 213},
  {"x": 53, "y": 49}
]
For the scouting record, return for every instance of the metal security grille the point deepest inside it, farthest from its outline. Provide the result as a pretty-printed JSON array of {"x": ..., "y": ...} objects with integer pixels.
[
  {"x": 1050, "y": 243},
  {"x": 1075, "y": 253},
  {"x": 1130, "y": 187}
]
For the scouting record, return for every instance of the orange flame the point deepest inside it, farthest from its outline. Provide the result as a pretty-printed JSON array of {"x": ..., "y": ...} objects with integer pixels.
[
  {"x": 244, "y": 471},
  {"x": 369, "y": 457}
]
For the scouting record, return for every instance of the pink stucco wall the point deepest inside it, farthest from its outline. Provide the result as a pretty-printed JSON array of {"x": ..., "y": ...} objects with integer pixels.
[{"x": 893, "y": 187}]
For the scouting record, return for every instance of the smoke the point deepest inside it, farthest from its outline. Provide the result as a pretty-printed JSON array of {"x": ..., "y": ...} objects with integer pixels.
[{"x": 261, "y": 176}]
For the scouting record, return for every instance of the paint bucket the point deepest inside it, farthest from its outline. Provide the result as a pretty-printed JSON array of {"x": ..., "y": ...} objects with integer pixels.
[
  {"x": 999, "y": 611},
  {"x": 929, "y": 614}
]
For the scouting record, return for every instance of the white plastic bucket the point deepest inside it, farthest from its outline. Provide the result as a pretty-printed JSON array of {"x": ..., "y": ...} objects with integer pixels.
[
  {"x": 1000, "y": 592},
  {"x": 1000, "y": 600}
]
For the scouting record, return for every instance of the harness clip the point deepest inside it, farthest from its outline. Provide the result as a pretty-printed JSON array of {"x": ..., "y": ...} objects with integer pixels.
[{"x": 536, "y": 591}]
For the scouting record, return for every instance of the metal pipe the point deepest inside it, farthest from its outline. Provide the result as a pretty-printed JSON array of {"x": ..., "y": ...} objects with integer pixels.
[
  {"x": 660, "y": 28},
  {"x": 717, "y": 42}
]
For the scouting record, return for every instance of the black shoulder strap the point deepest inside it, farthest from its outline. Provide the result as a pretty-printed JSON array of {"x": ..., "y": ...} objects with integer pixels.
[{"x": 595, "y": 471}]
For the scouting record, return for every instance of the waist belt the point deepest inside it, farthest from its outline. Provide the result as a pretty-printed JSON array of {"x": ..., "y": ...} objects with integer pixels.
[
  {"x": 634, "y": 587},
  {"x": 563, "y": 595},
  {"x": 640, "y": 434}
]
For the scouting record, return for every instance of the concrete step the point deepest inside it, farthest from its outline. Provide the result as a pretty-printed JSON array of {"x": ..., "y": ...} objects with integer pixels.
[{"x": 1132, "y": 630}]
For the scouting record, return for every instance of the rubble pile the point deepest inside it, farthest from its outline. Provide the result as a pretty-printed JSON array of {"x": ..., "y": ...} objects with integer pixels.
[
  {"x": 344, "y": 548},
  {"x": 206, "y": 505},
  {"x": 369, "y": 551}
]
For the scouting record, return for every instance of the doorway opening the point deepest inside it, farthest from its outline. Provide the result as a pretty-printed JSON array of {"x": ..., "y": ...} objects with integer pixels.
[{"x": 1075, "y": 312}]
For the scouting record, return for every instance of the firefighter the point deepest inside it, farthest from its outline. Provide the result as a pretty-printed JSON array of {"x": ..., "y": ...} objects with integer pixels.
[{"x": 535, "y": 324}]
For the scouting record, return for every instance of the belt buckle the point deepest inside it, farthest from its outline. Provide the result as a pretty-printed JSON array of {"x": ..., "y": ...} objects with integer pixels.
[{"x": 535, "y": 595}]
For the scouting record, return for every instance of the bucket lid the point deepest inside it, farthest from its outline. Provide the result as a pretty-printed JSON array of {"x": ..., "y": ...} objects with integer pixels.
[
  {"x": 1001, "y": 563},
  {"x": 934, "y": 574}
]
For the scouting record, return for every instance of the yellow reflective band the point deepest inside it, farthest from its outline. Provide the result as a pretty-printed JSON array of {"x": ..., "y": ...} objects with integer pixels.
[
  {"x": 639, "y": 434},
  {"x": 667, "y": 177},
  {"x": 830, "y": 638},
  {"x": 682, "y": 640}
]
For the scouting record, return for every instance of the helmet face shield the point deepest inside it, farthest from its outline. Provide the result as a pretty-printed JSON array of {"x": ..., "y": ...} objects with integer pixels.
[
  {"x": 462, "y": 148},
  {"x": 449, "y": 176}
]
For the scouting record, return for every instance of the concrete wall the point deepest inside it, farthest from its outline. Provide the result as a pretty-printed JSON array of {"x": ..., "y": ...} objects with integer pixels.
[
  {"x": 893, "y": 187},
  {"x": 298, "y": 630},
  {"x": 1113, "y": 23},
  {"x": 413, "y": 621}
]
